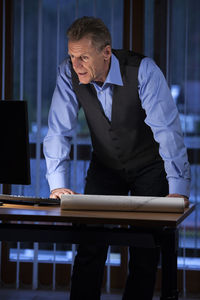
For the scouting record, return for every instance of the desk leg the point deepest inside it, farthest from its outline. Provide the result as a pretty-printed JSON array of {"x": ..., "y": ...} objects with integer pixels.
[{"x": 169, "y": 251}]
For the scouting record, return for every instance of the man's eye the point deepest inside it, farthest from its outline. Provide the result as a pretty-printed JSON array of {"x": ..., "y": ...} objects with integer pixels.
[{"x": 84, "y": 58}]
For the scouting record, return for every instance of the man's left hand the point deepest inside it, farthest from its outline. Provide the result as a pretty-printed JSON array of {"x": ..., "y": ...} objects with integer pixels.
[{"x": 186, "y": 200}]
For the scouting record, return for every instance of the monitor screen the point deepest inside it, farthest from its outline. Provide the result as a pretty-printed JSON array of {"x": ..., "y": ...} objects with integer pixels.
[{"x": 14, "y": 149}]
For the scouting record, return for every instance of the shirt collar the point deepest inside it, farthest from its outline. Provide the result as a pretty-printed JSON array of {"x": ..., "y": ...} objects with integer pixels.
[{"x": 114, "y": 74}]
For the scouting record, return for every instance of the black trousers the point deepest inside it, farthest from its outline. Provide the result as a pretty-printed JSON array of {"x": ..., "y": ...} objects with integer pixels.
[{"x": 90, "y": 259}]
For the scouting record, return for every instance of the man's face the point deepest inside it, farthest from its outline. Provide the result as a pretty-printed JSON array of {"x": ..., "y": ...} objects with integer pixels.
[{"x": 89, "y": 63}]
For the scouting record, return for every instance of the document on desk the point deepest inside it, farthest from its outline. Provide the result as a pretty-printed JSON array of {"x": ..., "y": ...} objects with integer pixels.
[{"x": 122, "y": 203}]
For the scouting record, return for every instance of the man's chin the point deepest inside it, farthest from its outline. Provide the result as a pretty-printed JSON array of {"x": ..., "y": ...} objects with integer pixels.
[{"x": 84, "y": 81}]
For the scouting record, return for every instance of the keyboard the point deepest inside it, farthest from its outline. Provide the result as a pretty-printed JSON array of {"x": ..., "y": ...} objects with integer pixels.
[{"x": 27, "y": 200}]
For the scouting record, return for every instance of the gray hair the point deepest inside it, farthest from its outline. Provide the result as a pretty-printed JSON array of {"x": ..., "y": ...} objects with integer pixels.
[{"x": 92, "y": 28}]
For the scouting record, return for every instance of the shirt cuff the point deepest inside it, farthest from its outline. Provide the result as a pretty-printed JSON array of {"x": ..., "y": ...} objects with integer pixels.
[
  {"x": 56, "y": 181},
  {"x": 179, "y": 186}
]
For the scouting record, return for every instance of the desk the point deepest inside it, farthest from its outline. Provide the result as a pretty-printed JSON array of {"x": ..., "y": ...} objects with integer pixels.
[{"x": 51, "y": 224}]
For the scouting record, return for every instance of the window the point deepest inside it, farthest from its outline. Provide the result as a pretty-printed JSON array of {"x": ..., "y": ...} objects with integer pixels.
[
  {"x": 183, "y": 75},
  {"x": 184, "y": 78},
  {"x": 40, "y": 45}
]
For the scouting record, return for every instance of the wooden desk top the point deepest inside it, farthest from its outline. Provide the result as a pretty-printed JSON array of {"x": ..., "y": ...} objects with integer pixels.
[{"x": 28, "y": 213}]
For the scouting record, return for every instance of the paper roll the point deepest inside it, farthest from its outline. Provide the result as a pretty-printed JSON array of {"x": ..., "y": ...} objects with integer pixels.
[{"x": 122, "y": 203}]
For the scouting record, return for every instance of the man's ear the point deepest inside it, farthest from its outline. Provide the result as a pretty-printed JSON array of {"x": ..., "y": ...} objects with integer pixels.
[{"x": 107, "y": 52}]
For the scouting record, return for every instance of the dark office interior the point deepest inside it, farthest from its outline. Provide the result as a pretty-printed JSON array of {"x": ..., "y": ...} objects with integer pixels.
[{"x": 32, "y": 44}]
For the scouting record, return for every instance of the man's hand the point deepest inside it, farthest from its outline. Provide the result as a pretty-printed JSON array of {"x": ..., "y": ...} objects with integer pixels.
[
  {"x": 58, "y": 192},
  {"x": 186, "y": 200}
]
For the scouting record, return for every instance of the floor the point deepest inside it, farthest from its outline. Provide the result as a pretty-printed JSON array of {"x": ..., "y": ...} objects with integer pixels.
[{"x": 12, "y": 294}]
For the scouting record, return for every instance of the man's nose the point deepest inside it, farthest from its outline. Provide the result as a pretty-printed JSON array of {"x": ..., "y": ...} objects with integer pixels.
[{"x": 77, "y": 62}]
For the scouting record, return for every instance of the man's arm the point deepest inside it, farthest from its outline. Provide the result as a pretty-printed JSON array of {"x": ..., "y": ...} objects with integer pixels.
[
  {"x": 163, "y": 118},
  {"x": 62, "y": 122}
]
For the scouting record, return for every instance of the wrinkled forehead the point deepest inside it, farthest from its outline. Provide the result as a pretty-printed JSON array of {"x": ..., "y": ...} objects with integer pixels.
[{"x": 80, "y": 47}]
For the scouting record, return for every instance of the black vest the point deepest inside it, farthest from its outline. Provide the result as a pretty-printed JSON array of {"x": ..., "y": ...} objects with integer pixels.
[{"x": 126, "y": 142}]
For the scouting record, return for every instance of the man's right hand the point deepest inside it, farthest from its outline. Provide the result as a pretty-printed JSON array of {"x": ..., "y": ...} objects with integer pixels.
[{"x": 58, "y": 192}]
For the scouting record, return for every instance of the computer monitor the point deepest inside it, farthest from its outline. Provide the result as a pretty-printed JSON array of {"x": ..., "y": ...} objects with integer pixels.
[{"x": 14, "y": 143}]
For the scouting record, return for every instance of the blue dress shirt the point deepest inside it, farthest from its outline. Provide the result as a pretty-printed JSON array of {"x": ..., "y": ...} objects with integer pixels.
[{"x": 161, "y": 115}]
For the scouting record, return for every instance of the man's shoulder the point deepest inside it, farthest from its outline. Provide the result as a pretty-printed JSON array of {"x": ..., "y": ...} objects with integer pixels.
[
  {"x": 128, "y": 56},
  {"x": 148, "y": 66},
  {"x": 65, "y": 67}
]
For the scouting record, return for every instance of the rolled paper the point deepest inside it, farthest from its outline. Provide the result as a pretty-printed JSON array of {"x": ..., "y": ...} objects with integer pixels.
[{"x": 122, "y": 203}]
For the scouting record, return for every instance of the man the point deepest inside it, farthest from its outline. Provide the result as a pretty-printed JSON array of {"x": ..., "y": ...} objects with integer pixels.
[{"x": 136, "y": 137}]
